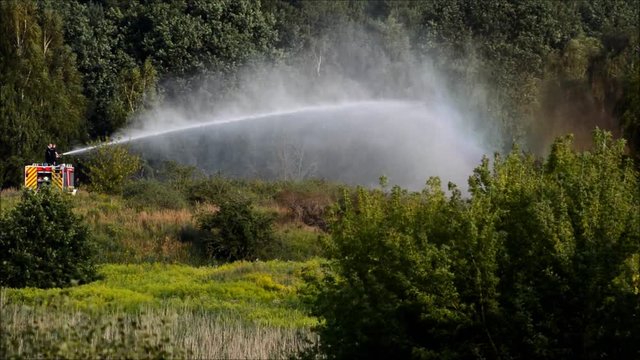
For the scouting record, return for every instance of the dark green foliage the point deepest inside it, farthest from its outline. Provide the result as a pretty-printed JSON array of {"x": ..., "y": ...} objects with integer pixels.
[
  {"x": 571, "y": 236},
  {"x": 127, "y": 50},
  {"x": 526, "y": 68},
  {"x": 390, "y": 291},
  {"x": 152, "y": 194},
  {"x": 235, "y": 232},
  {"x": 629, "y": 109},
  {"x": 44, "y": 244},
  {"x": 116, "y": 82},
  {"x": 41, "y": 97},
  {"x": 541, "y": 262}
]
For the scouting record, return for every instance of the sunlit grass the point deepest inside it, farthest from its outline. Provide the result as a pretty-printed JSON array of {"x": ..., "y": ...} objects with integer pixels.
[
  {"x": 237, "y": 310},
  {"x": 45, "y": 331},
  {"x": 261, "y": 292}
]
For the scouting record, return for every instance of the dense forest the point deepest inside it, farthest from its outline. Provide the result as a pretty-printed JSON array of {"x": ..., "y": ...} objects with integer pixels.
[{"x": 73, "y": 71}]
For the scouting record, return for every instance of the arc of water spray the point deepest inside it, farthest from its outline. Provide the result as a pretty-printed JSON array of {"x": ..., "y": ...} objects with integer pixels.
[{"x": 231, "y": 120}]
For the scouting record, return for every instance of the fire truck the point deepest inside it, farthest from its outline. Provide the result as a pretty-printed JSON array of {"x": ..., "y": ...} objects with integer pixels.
[{"x": 59, "y": 177}]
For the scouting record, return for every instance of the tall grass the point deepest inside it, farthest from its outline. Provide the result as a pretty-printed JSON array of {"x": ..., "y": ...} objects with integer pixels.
[
  {"x": 238, "y": 310},
  {"x": 48, "y": 331},
  {"x": 126, "y": 233},
  {"x": 8, "y": 198}
]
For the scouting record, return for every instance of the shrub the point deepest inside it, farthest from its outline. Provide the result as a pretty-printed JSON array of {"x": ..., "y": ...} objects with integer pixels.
[
  {"x": 153, "y": 194},
  {"x": 236, "y": 232},
  {"x": 541, "y": 262},
  {"x": 218, "y": 189},
  {"x": 109, "y": 167},
  {"x": 44, "y": 244}
]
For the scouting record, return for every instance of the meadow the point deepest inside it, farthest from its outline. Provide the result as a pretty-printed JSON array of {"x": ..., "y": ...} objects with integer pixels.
[
  {"x": 239, "y": 310},
  {"x": 158, "y": 296}
]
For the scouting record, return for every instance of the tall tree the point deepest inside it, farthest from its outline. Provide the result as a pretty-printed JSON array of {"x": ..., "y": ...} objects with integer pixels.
[
  {"x": 96, "y": 33},
  {"x": 41, "y": 97}
]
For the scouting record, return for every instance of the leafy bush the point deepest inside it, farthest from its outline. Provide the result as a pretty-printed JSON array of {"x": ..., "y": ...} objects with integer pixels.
[
  {"x": 109, "y": 167},
  {"x": 44, "y": 244},
  {"x": 218, "y": 189},
  {"x": 153, "y": 194},
  {"x": 541, "y": 262},
  {"x": 236, "y": 232}
]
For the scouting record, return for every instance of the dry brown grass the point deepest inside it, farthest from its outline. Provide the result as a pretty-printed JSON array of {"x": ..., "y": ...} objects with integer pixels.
[
  {"x": 8, "y": 192},
  {"x": 125, "y": 234}
]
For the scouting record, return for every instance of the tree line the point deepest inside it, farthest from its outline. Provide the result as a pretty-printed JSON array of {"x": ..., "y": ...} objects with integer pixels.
[{"x": 72, "y": 71}]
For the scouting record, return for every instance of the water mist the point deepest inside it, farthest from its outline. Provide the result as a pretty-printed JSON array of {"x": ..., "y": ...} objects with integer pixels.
[{"x": 286, "y": 122}]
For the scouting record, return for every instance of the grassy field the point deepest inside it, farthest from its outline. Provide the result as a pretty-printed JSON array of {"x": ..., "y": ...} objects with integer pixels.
[
  {"x": 238, "y": 310},
  {"x": 158, "y": 297},
  {"x": 124, "y": 234}
]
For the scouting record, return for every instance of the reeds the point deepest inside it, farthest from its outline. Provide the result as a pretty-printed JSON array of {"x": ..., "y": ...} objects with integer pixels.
[{"x": 50, "y": 331}]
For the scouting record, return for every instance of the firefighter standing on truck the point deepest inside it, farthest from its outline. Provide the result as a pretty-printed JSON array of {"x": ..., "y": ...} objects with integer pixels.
[
  {"x": 56, "y": 155},
  {"x": 50, "y": 155}
]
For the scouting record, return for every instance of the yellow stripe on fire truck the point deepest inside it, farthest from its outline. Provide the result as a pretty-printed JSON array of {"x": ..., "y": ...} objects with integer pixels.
[
  {"x": 31, "y": 181},
  {"x": 57, "y": 179}
]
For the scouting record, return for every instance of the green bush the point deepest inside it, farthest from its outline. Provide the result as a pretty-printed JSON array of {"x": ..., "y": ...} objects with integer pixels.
[
  {"x": 218, "y": 189},
  {"x": 542, "y": 261},
  {"x": 110, "y": 167},
  {"x": 236, "y": 232},
  {"x": 178, "y": 175},
  {"x": 150, "y": 194},
  {"x": 44, "y": 244}
]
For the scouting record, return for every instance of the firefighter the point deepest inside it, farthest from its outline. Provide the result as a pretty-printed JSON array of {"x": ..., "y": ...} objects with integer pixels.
[
  {"x": 56, "y": 156},
  {"x": 50, "y": 155}
]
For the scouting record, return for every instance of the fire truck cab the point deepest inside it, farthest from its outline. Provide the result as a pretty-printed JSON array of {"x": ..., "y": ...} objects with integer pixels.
[{"x": 59, "y": 177}]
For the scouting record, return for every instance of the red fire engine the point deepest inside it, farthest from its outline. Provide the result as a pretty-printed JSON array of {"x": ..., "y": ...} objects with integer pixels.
[{"x": 58, "y": 176}]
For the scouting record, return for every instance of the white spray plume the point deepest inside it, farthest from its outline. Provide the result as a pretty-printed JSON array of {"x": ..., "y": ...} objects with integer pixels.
[{"x": 351, "y": 113}]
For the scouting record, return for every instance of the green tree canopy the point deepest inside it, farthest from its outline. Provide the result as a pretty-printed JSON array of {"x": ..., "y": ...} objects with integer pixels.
[
  {"x": 541, "y": 262},
  {"x": 41, "y": 97}
]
